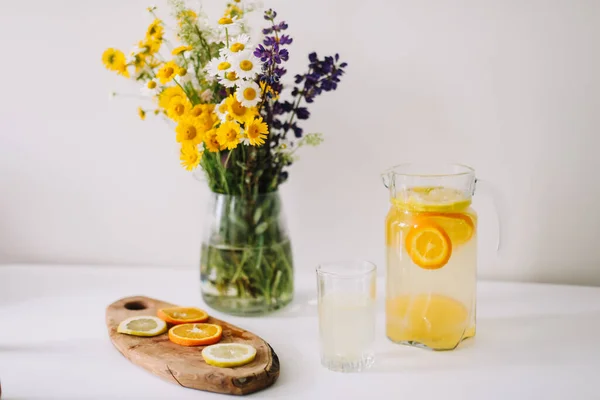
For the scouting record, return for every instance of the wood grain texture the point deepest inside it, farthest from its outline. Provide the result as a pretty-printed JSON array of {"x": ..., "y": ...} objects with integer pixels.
[{"x": 184, "y": 365}]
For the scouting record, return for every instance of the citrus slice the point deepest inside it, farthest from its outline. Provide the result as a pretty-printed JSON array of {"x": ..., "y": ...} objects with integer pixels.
[
  {"x": 195, "y": 334},
  {"x": 182, "y": 315},
  {"x": 432, "y": 199},
  {"x": 428, "y": 245},
  {"x": 228, "y": 354},
  {"x": 142, "y": 326},
  {"x": 458, "y": 226}
]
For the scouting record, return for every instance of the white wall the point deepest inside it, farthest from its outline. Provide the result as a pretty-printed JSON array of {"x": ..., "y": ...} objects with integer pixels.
[{"x": 511, "y": 87}]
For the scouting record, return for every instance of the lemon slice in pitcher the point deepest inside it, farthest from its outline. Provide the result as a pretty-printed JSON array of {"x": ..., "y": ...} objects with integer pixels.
[
  {"x": 428, "y": 246},
  {"x": 458, "y": 226},
  {"x": 142, "y": 326},
  {"x": 432, "y": 199},
  {"x": 228, "y": 354}
]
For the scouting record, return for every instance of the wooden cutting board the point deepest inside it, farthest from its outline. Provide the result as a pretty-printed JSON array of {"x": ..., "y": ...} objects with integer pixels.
[{"x": 185, "y": 365}]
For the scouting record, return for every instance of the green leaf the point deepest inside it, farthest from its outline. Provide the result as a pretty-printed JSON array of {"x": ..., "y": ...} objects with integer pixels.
[
  {"x": 261, "y": 228},
  {"x": 257, "y": 215}
]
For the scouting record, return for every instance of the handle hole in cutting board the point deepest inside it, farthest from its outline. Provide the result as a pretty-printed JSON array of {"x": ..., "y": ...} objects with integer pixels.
[{"x": 135, "y": 305}]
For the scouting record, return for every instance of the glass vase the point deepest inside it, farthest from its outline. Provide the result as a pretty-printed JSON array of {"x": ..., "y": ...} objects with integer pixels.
[{"x": 246, "y": 265}]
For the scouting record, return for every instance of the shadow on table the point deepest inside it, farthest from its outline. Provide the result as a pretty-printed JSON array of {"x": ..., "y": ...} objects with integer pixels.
[
  {"x": 303, "y": 305},
  {"x": 504, "y": 342}
]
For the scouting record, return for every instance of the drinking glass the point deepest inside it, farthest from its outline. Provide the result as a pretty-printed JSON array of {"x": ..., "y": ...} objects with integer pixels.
[{"x": 346, "y": 296}]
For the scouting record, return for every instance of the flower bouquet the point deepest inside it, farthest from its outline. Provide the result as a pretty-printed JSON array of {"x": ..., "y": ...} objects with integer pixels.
[{"x": 222, "y": 89}]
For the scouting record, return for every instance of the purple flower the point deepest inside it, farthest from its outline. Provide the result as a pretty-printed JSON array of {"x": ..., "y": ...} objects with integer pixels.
[
  {"x": 279, "y": 71},
  {"x": 270, "y": 14},
  {"x": 270, "y": 41},
  {"x": 302, "y": 113},
  {"x": 282, "y": 26},
  {"x": 285, "y": 39},
  {"x": 262, "y": 53},
  {"x": 284, "y": 54},
  {"x": 297, "y": 130},
  {"x": 276, "y": 123}
]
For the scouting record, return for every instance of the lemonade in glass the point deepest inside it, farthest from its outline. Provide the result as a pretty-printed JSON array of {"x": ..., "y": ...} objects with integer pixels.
[{"x": 431, "y": 238}]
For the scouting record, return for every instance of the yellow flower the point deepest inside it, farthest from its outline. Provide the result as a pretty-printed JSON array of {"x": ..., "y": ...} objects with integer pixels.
[
  {"x": 208, "y": 120},
  {"x": 190, "y": 156},
  {"x": 139, "y": 62},
  {"x": 228, "y": 135},
  {"x": 268, "y": 91},
  {"x": 141, "y": 113},
  {"x": 211, "y": 142},
  {"x": 167, "y": 72},
  {"x": 186, "y": 16},
  {"x": 151, "y": 85},
  {"x": 189, "y": 130},
  {"x": 152, "y": 62},
  {"x": 237, "y": 111},
  {"x": 221, "y": 111},
  {"x": 202, "y": 109},
  {"x": 178, "y": 50},
  {"x": 165, "y": 97},
  {"x": 114, "y": 60},
  {"x": 225, "y": 21},
  {"x": 149, "y": 46},
  {"x": 155, "y": 30},
  {"x": 233, "y": 11},
  {"x": 256, "y": 131},
  {"x": 179, "y": 107}
]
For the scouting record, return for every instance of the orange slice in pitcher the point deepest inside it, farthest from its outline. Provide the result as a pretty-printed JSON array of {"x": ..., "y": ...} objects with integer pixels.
[
  {"x": 459, "y": 227},
  {"x": 182, "y": 315},
  {"x": 428, "y": 245},
  {"x": 195, "y": 334}
]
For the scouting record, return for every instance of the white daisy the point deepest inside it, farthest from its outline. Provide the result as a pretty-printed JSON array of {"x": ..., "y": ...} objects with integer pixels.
[
  {"x": 148, "y": 91},
  {"x": 230, "y": 79},
  {"x": 248, "y": 93},
  {"x": 188, "y": 77},
  {"x": 230, "y": 24},
  {"x": 236, "y": 45},
  {"x": 244, "y": 139},
  {"x": 218, "y": 66},
  {"x": 245, "y": 65},
  {"x": 221, "y": 110}
]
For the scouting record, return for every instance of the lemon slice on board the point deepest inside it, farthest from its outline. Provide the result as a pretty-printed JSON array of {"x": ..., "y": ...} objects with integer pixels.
[
  {"x": 195, "y": 334},
  {"x": 182, "y": 315},
  {"x": 228, "y": 354},
  {"x": 142, "y": 326}
]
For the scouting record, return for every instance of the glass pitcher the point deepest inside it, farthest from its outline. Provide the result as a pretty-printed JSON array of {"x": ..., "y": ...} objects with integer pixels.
[{"x": 431, "y": 235}]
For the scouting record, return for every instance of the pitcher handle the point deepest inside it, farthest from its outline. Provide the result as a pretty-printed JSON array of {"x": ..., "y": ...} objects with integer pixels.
[{"x": 499, "y": 206}]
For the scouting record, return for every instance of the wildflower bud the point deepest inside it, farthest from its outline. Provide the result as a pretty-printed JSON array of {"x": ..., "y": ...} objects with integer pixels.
[
  {"x": 182, "y": 72},
  {"x": 151, "y": 85}
]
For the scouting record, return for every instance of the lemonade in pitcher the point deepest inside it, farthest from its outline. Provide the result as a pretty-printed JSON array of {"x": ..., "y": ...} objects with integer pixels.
[{"x": 431, "y": 235}]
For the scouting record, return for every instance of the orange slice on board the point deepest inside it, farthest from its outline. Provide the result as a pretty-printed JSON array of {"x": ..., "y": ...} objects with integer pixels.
[
  {"x": 428, "y": 245},
  {"x": 182, "y": 315},
  {"x": 459, "y": 227},
  {"x": 195, "y": 334}
]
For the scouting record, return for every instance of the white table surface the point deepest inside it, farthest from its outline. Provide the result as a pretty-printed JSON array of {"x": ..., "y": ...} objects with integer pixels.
[{"x": 533, "y": 341}]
